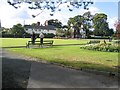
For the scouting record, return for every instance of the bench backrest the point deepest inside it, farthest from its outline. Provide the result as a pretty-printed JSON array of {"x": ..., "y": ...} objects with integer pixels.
[{"x": 50, "y": 41}]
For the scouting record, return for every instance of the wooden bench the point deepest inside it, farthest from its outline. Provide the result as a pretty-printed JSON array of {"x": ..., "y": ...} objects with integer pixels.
[{"x": 45, "y": 42}]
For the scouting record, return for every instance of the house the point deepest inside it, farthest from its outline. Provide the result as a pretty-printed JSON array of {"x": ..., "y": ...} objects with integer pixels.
[{"x": 40, "y": 28}]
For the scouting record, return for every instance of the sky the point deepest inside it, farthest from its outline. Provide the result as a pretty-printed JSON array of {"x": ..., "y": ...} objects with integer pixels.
[{"x": 10, "y": 16}]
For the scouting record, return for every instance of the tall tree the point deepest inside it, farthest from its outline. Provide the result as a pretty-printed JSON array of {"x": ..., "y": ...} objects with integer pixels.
[
  {"x": 76, "y": 23},
  {"x": 55, "y": 22},
  {"x": 100, "y": 24},
  {"x": 87, "y": 23}
]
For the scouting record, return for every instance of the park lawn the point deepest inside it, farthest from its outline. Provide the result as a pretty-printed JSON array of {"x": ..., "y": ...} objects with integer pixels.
[
  {"x": 7, "y": 42},
  {"x": 71, "y": 56}
]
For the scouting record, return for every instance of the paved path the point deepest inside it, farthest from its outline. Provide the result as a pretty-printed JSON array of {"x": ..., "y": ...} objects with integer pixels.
[
  {"x": 0, "y": 69},
  {"x": 52, "y": 76},
  {"x": 44, "y": 75}
]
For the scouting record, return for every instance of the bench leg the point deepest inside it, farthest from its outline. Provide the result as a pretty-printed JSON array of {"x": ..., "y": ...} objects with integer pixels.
[{"x": 26, "y": 45}]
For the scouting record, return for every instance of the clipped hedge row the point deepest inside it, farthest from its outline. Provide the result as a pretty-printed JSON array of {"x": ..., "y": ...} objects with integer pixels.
[
  {"x": 49, "y": 35},
  {"x": 103, "y": 47}
]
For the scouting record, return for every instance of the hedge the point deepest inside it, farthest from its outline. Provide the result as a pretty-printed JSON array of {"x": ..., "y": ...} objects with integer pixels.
[{"x": 26, "y": 36}]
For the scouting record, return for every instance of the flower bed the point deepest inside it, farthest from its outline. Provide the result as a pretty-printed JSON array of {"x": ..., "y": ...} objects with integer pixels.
[{"x": 102, "y": 47}]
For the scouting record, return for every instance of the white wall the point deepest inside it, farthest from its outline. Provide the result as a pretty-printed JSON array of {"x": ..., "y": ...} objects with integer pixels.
[{"x": 38, "y": 31}]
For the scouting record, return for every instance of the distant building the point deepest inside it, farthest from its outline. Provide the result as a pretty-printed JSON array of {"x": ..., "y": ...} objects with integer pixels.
[{"x": 40, "y": 28}]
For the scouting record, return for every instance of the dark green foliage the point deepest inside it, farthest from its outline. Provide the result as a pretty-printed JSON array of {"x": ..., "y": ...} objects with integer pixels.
[
  {"x": 18, "y": 30},
  {"x": 87, "y": 23},
  {"x": 100, "y": 24},
  {"x": 55, "y": 23},
  {"x": 76, "y": 23},
  {"x": 109, "y": 32}
]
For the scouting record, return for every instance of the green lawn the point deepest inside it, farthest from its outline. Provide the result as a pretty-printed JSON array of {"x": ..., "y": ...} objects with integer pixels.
[
  {"x": 6, "y": 42},
  {"x": 67, "y": 55}
]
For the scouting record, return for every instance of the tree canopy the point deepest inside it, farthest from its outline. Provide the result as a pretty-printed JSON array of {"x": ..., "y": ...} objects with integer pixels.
[
  {"x": 78, "y": 21},
  {"x": 100, "y": 24},
  {"x": 18, "y": 29},
  {"x": 55, "y": 22}
]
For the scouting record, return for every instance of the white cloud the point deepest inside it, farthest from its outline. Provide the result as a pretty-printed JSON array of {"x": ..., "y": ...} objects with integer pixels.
[
  {"x": 105, "y": 0},
  {"x": 94, "y": 10},
  {"x": 112, "y": 21}
]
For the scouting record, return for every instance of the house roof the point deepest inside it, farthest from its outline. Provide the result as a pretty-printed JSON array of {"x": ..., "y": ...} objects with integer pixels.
[{"x": 27, "y": 26}]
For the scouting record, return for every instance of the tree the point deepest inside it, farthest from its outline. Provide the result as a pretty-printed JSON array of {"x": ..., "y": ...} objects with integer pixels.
[
  {"x": 100, "y": 24},
  {"x": 87, "y": 23},
  {"x": 50, "y": 5},
  {"x": 68, "y": 32},
  {"x": 60, "y": 32},
  {"x": 109, "y": 32},
  {"x": 34, "y": 24},
  {"x": 18, "y": 30},
  {"x": 117, "y": 25},
  {"x": 76, "y": 23},
  {"x": 55, "y": 23}
]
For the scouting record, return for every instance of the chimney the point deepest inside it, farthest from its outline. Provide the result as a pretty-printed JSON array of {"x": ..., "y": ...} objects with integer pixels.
[{"x": 46, "y": 23}]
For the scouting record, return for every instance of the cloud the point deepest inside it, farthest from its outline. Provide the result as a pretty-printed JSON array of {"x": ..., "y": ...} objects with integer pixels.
[
  {"x": 106, "y": 0},
  {"x": 112, "y": 21},
  {"x": 94, "y": 10},
  {"x": 22, "y": 14}
]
